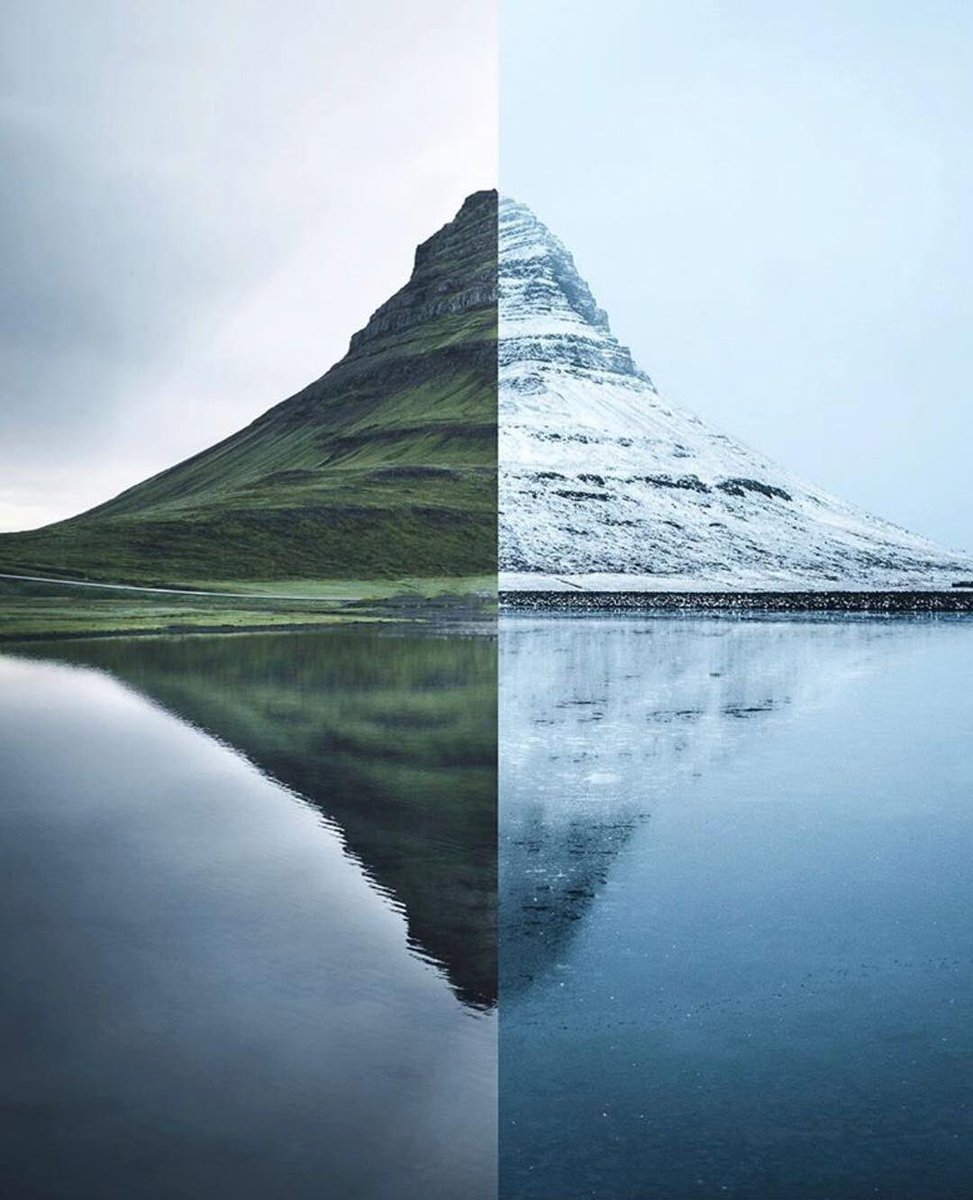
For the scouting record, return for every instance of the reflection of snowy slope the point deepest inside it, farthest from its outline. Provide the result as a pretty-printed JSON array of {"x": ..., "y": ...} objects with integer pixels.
[
  {"x": 599, "y": 716},
  {"x": 603, "y": 480}
]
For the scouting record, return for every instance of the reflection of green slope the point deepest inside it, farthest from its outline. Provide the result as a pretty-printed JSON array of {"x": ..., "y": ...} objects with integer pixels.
[
  {"x": 385, "y": 467},
  {"x": 392, "y": 738}
]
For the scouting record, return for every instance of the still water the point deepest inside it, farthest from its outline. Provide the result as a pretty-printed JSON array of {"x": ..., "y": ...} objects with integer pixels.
[
  {"x": 736, "y": 897},
  {"x": 248, "y": 911}
]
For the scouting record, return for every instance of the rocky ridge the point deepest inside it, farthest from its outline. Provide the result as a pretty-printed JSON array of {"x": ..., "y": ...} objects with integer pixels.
[{"x": 454, "y": 273}]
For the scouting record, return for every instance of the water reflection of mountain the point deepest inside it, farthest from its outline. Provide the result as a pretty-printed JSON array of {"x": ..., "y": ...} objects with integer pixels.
[
  {"x": 392, "y": 738},
  {"x": 599, "y": 716}
]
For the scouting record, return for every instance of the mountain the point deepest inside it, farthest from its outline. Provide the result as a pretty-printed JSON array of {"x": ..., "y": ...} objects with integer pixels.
[
  {"x": 606, "y": 485},
  {"x": 384, "y": 467}
]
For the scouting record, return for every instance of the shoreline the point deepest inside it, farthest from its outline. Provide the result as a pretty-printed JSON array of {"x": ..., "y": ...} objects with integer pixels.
[
  {"x": 35, "y": 610},
  {"x": 960, "y": 601}
]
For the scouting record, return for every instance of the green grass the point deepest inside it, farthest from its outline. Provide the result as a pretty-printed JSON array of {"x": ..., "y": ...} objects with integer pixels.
[
  {"x": 368, "y": 589},
  {"x": 310, "y": 542},
  {"x": 31, "y": 611},
  {"x": 58, "y": 619}
]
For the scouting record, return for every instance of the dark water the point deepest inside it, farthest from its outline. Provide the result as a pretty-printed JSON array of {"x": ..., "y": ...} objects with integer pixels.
[
  {"x": 248, "y": 910},
  {"x": 736, "y": 898}
]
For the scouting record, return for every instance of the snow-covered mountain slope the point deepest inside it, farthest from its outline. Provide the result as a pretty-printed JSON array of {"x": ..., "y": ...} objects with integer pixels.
[{"x": 606, "y": 485}]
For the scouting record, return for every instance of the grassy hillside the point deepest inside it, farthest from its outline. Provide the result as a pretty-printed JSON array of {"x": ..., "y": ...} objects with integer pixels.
[{"x": 383, "y": 468}]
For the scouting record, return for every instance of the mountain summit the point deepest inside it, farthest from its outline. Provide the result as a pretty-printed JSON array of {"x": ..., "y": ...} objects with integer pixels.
[
  {"x": 604, "y": 484},
  {"x": 383, "y": 467}
]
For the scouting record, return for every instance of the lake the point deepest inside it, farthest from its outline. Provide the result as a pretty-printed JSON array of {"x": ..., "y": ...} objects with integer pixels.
[
  {"x": 736, "y": 949},
  {"x": 249, "y": 909},
  {"x": 249, "y": 906}
]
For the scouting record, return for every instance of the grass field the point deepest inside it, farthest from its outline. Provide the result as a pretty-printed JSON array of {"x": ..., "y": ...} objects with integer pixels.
[{"x": 42, "y": 611}]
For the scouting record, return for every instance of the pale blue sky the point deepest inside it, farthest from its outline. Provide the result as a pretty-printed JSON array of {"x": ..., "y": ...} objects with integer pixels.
[{"x": 773, "y": 201}]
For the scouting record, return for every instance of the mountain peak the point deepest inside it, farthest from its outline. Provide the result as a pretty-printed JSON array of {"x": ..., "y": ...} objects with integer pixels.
[
  {"x": 454, "y": 273},
  {"x": 547, "y": 310}
]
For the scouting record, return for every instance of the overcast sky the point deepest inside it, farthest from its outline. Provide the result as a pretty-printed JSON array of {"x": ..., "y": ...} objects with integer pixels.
[
  {"x": 773, "y": 201},
  {"x": 201, "y": 201}
]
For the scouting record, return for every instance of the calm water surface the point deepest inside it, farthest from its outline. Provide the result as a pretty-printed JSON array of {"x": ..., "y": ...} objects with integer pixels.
[
  {"x": 248, "y": 910},
  {"x": 736, "y": 896}
]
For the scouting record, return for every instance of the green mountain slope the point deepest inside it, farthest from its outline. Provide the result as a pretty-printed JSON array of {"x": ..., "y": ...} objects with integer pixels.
[{"x": 385, "y": 467}]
